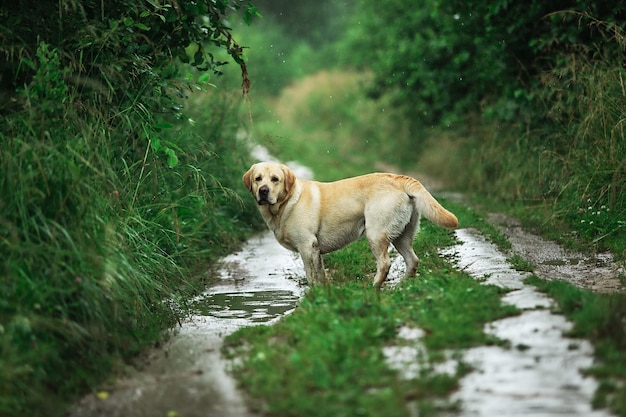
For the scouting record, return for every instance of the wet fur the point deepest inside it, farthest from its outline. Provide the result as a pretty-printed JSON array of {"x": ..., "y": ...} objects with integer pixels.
[{"x": 314, "y": 218}]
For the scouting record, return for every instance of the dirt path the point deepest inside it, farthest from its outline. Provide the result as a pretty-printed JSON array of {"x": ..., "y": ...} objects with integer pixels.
[{"x": 539, "y": 376}]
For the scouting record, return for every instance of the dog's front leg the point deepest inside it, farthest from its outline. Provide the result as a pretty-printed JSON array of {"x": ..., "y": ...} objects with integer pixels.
[{"x": 313, "y": 263}]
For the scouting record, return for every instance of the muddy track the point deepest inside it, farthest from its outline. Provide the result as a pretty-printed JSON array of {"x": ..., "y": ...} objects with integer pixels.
[
  {"x": 187, "y": 376},
  {"x": 596, "y": 271}
]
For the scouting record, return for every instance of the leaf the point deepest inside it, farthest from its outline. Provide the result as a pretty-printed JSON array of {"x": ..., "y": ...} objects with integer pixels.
[
  {"x": 174, "y": 146},
  {"x": 141, "y": 26},
  {"x": 102, "y": 395},
  {"x": 204, "y": 78},
  {"x": 251, "y": 12},
  {"x": 155, "y": 144},
  {"x": 172, "y": 159},
  {"x": 163, "y": 125}
]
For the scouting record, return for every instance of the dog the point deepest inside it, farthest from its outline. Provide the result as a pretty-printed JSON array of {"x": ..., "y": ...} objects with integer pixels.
[{"x": 314, "y": 218}]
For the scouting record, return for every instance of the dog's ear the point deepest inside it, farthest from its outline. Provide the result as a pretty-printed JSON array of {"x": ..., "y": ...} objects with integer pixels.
[
  {"x": 290, "y": 178},
  {"x": 247, "y": 179}
]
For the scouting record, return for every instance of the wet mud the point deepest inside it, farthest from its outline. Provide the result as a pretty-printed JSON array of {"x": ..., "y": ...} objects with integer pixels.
[{"x": 596, "y": 271}]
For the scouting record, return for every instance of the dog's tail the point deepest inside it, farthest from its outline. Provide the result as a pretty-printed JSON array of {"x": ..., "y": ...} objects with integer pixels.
[{"x": 428, "y": 206}]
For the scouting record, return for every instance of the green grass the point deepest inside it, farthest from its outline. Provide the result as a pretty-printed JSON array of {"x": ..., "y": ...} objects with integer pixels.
[
  {"x": 600, "y": 319},
  {"x": 326, "y": 358},
  {"x": 98, "y": 228}
]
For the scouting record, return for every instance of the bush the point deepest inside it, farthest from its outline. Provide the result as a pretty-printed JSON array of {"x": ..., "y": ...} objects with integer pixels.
[{"x": 447, "y": 58}]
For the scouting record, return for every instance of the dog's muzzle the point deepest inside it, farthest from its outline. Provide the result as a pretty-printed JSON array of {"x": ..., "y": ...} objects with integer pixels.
[{"x": 264, "y": 192}]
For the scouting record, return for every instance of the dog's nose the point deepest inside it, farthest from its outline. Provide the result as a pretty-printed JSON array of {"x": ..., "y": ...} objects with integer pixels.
[{"x": 264, "y": 191}]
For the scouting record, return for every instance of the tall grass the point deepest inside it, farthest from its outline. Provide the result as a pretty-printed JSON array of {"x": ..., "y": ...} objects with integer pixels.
[
  {"x": 102, "y": 220},
  {"x": 566, "y": 174}
]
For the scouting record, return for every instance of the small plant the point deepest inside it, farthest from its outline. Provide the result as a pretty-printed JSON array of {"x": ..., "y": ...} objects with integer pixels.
[
  {"x": 598, "y": 221},
  {"x": 520, "y": 264}
]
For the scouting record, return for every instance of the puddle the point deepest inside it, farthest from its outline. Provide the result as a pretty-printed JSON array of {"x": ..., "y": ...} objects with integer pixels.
[
  {"x": 187, "y": 376},
  {"x": 258, "y": 307}
]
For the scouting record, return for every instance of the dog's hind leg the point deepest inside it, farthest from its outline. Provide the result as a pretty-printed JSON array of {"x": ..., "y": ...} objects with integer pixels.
[
  {"x": 387, "y": 220},
  {"x": 379, "y": 245},
  {"x": 404, "y": 245}
]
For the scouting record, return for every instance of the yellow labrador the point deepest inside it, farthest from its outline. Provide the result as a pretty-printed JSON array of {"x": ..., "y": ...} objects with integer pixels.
[{"x": 314, "y": 218}]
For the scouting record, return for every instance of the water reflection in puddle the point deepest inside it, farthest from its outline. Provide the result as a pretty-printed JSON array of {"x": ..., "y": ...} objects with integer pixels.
[
  {"x": 258, "y": 306},
  {"x": 538, "y": 375}
]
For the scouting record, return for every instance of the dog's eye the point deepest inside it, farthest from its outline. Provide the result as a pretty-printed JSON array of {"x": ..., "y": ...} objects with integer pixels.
[
  {"x": 275, "y": 179},
  {"x": 257, "y": 179}
]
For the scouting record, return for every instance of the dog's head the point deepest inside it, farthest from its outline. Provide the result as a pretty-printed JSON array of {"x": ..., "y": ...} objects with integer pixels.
[{"x": 269, "y": 182}]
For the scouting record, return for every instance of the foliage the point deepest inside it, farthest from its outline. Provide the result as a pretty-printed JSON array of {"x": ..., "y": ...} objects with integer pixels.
[
  {"x": 112, "y": 51},
  {"x": 448, "y": 57},
  {"x": 537, "y": 89},
  {"x": 97, "y": 235},
  {"x": 113, "y": 200},
  {"x": 571, "y": 168}
]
